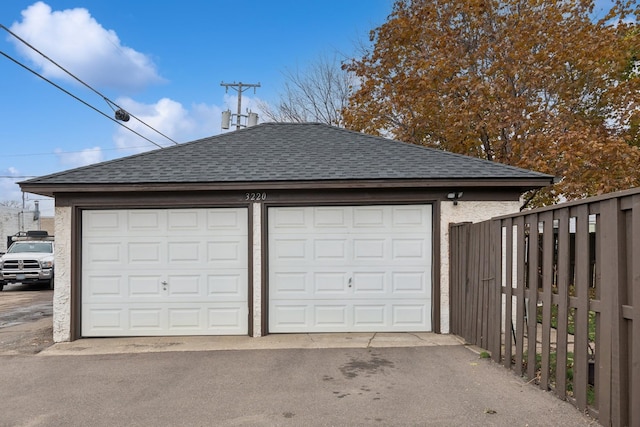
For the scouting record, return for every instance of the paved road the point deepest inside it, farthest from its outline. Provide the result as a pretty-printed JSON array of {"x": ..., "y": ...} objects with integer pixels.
[
  {"x": 24, "y": 303},
  {"x": 25, "y": 319},
  {"x": 431, "y": 385},
  {"x": 411, "y": 386}
]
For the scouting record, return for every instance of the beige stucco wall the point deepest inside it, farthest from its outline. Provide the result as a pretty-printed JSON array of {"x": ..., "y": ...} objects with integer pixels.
[
  {"x": 463, "y": 212},
  {"x": 257, "y": 269},
  {"x": 62, "y": 290}
]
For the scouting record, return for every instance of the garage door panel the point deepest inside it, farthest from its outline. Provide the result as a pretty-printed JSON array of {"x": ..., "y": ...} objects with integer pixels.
[
  {"x": 188, "y": 275},
  {"x": 145, "y": 253},
  {"x": 370, "y": 282},
  {"x": 230, "y": 285},
  {"x": 289, "y": 249},
  {"x": 409, "y": 282},
  {"x": 290, "y": 283},
  {"x": 185, "y": 252},
  {"x": 103, "y": 285},
  {"x": 407, "y": 315},
  {"x": 226, "y": 318},
  {"x": 143, "y": 286},
  {"x": 354, "y": 268},
  {"x": 97, "y": 223},
  {"x": 227, "y": 253},
  {"x": 185, "y": 318},
  {"x": 145, "y": 221},
  {"x": 368, "y": 314},
  {"x": 369, "y": 249},
  {"x": 370, "y": 217},
  {"x": 409, "y": 217},
  {"x": 186, "y": 286},
  {"x": 145, "y": 319},
  {"x": 291, "y": 316},
  {"x": 290, "y": 220},
  {"x": 141, "y": 320},
  {"x": 332, "y": 250},
  {"x": 103, "y": 252},
  {"x": 329, "y": 282},
  {"x": 111, "y": 318},
  {"x": 221, "y": 287},
  {"x": 408, "y": 248},
  {"x": 331, "y": 315},
  {"x": 329, "y": 217},
  {"x": 225, "y": 222}
]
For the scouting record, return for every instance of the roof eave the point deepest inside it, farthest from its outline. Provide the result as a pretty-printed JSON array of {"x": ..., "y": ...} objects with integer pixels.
[{"x": 524, "y": 184}]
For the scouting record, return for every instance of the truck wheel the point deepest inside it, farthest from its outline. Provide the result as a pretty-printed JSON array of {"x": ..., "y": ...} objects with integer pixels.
[
  {"x": 1, "y": 285},
  {"x": 51, "y": 283}
]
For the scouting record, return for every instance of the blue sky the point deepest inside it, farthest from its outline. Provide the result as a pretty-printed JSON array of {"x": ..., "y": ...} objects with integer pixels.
[{"x": 162, "y": 61}]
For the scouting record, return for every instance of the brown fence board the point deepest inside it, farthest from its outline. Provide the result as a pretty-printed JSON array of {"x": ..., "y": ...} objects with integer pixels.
[
  {"x": 486, "y": 278},
  {"x": 532, "y": 305},
  {"x": 454, "y": 265},
  {"x": 520, "y": 301},
  {"x": 547, "y": 283},
  {"x": 474, "y": 288},
  {"x": 634, "y": 345},
  {"x": 580, "y": 351},
  {"x": 613, "y": 257},
  {"x": 495, "y": 331},
  {"x": 508, "y": 292},
  {"x": 564, "y": 254}
]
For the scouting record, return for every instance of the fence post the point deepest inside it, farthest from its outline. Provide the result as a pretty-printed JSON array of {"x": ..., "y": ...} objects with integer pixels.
[
  {"x": 495, "y": 294},
  {"x": 520, "y": 291},
  {"x": 564, "y": 253},
  {"x": 634, "y": 377},
  {"x": 508, "y": 315},
  {"x": 612, "y": 363},
  {"x": 532, "y": 294},
  {"x": 581, "y": 334}
]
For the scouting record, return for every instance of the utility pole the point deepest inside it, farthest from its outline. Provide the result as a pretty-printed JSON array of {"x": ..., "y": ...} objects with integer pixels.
[{"x": 238, "y": 87}]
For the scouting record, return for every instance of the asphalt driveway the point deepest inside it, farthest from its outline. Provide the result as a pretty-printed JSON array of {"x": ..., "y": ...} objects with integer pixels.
[{"x": 443, "y": 385}]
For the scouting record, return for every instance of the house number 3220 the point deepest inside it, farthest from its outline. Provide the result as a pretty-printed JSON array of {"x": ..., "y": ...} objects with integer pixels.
[{"x": 255, "y": 196}]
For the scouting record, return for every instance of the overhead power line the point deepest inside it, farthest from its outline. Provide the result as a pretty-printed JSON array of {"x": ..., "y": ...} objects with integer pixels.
[
  {"x": 76, "y": 98},
  {"x": 107, "y": 100}
]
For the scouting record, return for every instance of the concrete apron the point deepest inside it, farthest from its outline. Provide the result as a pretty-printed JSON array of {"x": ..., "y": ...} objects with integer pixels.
[{"x": 95, "y": 346}]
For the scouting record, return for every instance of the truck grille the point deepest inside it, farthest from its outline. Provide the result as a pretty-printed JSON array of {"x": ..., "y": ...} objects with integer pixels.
[{"x": 27, "y": 264}]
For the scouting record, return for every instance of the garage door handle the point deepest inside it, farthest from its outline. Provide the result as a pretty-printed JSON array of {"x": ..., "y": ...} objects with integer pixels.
[
  {"x": 349, "y": 281},
  {"x": 164, "y": 286}
]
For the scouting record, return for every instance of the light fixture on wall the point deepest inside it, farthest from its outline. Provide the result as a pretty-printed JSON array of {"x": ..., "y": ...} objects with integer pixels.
[{"x": 454, "y": 196}]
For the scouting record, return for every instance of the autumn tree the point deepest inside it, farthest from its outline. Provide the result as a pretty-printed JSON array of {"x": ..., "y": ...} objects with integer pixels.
[
  {"x": 317, "y": 93},
  {"x": 537, "y": 84}
]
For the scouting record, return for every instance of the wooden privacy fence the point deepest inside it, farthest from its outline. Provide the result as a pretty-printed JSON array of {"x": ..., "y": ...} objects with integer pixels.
[{"x": 554, "y": 294}]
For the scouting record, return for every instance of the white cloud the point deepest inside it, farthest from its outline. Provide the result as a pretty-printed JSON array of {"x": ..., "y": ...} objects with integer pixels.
[
  {"x": 80, "y": 158},
  {"x": 173, "y": 120},
  {"x": 76, "y": 41},
  {"x": 166, "y": 116}
]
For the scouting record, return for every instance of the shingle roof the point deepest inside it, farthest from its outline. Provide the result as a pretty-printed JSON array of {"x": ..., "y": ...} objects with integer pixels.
[{"x": 287, "y": 152}]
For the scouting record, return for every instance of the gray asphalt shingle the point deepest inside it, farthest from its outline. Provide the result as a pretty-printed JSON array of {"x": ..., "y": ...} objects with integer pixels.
[{"x": 287, "y": 152}]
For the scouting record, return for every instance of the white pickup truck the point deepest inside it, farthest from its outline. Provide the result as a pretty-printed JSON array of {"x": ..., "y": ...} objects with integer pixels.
[{"x": 29, "y": 259}]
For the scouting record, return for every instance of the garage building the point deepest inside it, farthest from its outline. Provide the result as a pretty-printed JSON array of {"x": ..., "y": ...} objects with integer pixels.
[{"x": 276, "y": 228}]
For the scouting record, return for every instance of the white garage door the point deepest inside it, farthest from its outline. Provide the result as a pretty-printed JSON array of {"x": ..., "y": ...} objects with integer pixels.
[
  {"x": 164, "y": 272},
  {"x": 350, "y": 269}
]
